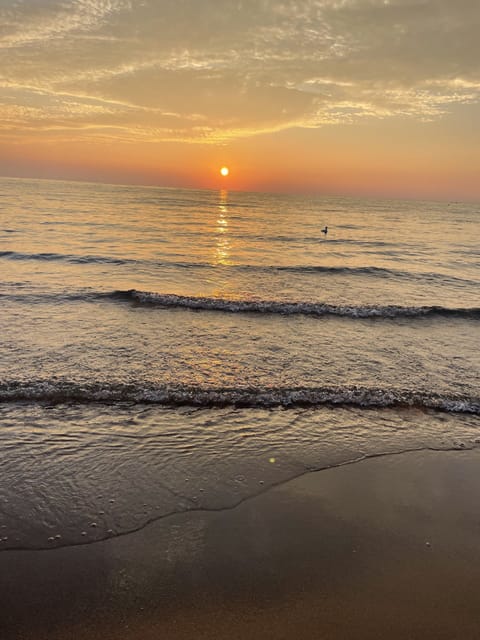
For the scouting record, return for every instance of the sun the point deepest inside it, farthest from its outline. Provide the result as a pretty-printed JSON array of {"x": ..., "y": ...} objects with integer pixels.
[{"x": 224, "y": 171}]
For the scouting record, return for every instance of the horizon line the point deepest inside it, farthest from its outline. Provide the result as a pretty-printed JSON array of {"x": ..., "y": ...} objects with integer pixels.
[{"x": 292, "y": 194}]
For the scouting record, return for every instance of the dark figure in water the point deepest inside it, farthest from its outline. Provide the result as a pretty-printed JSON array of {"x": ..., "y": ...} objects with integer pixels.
[{"x": 325, "y": 231}]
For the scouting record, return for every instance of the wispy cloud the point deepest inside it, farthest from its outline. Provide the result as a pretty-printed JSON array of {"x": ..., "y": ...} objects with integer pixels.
[
  {"x": 27, "y": 23},
  {"x": 218, "y": 71}
]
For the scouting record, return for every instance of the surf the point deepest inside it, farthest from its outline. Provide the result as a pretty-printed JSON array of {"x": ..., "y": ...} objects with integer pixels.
[{"x": 56, "y": 392}]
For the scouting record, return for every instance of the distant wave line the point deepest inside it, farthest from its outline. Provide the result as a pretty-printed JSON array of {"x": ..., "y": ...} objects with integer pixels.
[
  {"x": 60, "y": 257},
  {"x": 64, "y": 392},
  {"x": 381, "y": 272}
]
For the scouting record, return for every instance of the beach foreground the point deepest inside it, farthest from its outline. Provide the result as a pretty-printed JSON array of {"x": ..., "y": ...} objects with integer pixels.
[{"x": 387, "y": 547}]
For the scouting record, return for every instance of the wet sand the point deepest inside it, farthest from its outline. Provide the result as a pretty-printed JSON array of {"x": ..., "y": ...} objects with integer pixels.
[{"x": 384, "y": 548}]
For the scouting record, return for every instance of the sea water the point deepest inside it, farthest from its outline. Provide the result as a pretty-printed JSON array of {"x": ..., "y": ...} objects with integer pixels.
[{"x": 165, "y": 350}]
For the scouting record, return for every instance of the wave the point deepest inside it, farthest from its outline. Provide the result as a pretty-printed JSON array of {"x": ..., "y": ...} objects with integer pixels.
[
  {"x": 378, "y": 272},
  {"x": 264, "y": 307},
  {"x": 93, "y": 259},
  {"x": 61, "y": 257},
  {"x": 369, "y": 271},
  {"x": 372, "y": 271},
  {"x": 64, "y": 392},
  {"x": 317, "y": 309}
]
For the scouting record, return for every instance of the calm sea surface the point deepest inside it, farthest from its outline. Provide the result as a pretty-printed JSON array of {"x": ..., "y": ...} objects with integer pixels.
[{"x": 164, "y": 350}]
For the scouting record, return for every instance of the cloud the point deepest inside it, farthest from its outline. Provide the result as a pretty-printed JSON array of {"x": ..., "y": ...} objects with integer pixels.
[
  {"x": 25, "y": 22},
  {"x": 234, "y": 68}
]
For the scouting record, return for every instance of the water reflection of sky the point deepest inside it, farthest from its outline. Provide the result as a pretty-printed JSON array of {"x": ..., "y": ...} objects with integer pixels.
[
  {"x": 222, "y": 247},
  {"x": 263, "y": 246}
]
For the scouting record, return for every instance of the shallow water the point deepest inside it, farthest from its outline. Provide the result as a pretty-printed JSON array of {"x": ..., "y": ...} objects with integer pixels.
[{"x": 165, "y": 349}]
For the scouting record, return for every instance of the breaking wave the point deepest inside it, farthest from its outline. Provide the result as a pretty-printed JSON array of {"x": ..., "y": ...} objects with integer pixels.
[
  {"x": 265, "y": 307},
  {"x": 316, "y": 309},
  {"x": 64, "y": 392}
]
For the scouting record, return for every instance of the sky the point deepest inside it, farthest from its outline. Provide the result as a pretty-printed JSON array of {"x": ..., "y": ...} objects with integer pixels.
[{"x": 347, "y": 97}]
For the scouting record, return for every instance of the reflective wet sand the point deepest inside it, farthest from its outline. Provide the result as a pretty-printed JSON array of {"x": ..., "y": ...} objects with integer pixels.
[{"x": 387, "y": 547}]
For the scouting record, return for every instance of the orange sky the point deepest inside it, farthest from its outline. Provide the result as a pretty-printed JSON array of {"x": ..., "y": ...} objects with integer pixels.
[{"x": 337, "y": 97}]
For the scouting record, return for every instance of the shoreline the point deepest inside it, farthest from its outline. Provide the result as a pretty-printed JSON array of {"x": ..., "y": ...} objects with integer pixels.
[{"x": 384, "y": 547}]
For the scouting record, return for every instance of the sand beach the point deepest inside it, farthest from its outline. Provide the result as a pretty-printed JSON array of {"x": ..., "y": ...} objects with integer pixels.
[{"x": 387, "y": 547}]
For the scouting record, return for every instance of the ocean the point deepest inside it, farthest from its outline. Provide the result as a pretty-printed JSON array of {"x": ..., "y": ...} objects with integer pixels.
[{"x": 168, "y": 350}]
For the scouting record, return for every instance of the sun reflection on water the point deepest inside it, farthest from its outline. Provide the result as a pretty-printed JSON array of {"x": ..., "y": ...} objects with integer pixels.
[{"x": 222, "y": 248}]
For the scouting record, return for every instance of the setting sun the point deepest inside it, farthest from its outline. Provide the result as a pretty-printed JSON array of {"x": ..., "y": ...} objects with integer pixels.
[{"x": 224, "y": 171}]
